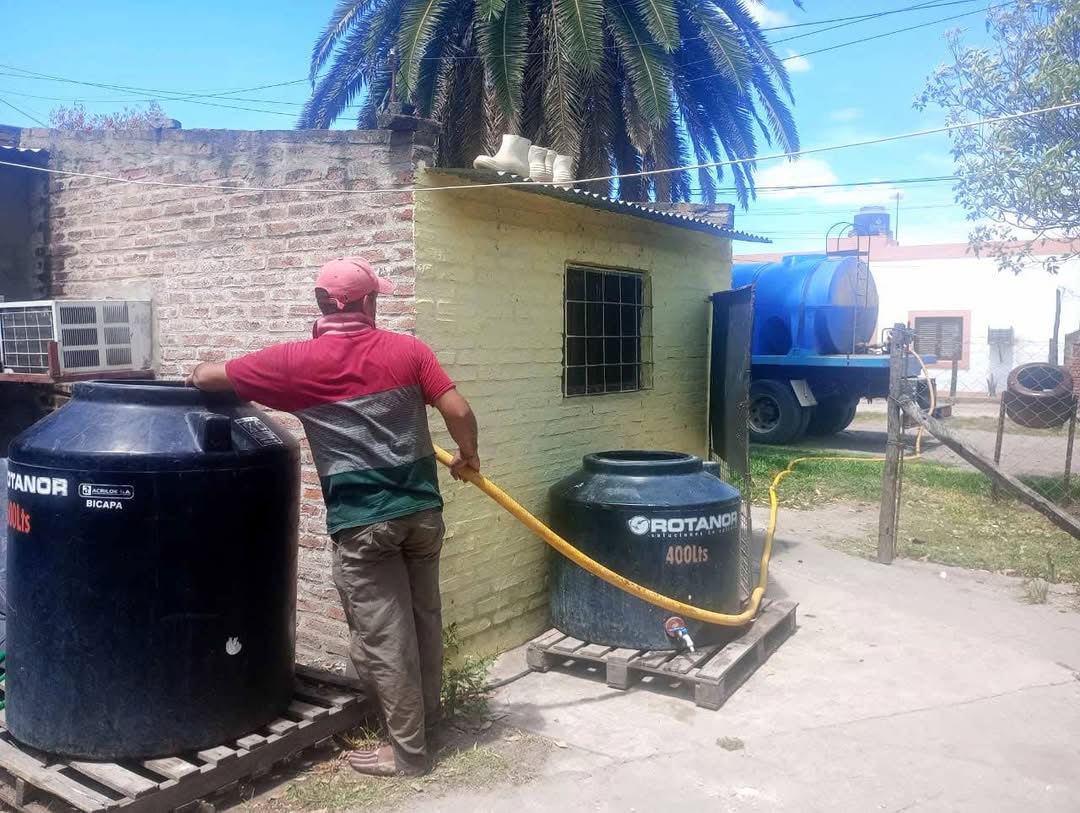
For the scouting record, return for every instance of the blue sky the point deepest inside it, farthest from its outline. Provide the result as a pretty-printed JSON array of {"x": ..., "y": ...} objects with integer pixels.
[{"x": 854, "y": 93}]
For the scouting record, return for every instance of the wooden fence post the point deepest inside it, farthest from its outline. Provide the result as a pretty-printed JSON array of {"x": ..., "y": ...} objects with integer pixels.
[
  {"x": 952, "y": 379},
  {"x": 889, "y": 514}
]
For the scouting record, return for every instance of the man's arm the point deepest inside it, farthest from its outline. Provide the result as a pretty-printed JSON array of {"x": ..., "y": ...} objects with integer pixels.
[
  {"x": 210, "y": 377},
  {"x": 461, "y": 423}
]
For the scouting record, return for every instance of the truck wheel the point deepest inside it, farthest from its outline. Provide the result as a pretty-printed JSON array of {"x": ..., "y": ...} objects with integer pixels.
[
  {"x": 775, "y": 413},
  {"x": 832, "y": 415}
]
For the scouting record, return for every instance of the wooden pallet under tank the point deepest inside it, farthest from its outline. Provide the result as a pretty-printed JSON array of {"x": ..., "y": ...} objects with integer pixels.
[
  {"x": 714, "y": 672},
  {"x": 35, "y": 782}
]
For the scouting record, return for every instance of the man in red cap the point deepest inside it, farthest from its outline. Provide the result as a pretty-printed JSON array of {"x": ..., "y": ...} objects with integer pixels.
[{"x": 361, "y": 394}]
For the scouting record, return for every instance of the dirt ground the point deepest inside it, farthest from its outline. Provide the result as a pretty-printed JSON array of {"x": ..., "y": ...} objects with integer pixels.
[
  {"x": 1024, "y": 451},
  {"x": 486, "y": 754}
]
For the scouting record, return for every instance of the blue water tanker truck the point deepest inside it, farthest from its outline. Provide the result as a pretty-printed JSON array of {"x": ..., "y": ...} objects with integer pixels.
[{"x": 813, "y": 346}]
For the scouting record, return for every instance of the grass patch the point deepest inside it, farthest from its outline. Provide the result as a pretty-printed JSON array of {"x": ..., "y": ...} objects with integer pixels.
[
  {"x": 343, "y": 789},
  {"x": 946, "y": 514},
  {"x": 987, "y": 423},
  {"x": 824, "y": 478}
]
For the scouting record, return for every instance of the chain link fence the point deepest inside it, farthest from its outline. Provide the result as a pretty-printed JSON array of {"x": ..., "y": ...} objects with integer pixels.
[
  {"x": 1005, "y": 400},
  {"x": 990, "y": 484}
]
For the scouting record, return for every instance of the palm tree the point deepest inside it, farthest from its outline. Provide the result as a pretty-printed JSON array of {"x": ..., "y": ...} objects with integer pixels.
[{"x": 622, "y": 85}]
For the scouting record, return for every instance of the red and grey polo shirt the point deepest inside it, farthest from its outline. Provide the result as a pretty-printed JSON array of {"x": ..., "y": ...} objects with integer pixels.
[{"x": 361, "y": 397}]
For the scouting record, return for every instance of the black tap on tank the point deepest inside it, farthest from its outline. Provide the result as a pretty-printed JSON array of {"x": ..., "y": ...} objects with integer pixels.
[
  {"x": 660, "y": 519},
  {"x": 152, "y": 537}
]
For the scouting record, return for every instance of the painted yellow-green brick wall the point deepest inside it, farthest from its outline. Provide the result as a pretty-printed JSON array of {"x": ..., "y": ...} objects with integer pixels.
[{"x": 490, "y": 266}]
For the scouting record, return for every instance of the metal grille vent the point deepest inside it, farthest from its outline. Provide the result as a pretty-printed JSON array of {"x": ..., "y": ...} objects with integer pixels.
[
  {"x": 79, "y": 336},
  {"x": 78, "y": 315},
  {"x": 26, "y": 333},
  {"x": 81, "y": 358},
  {"x": 117, "y": 335},
  {"x": 115, "y": 313},
  {"x": 118, "y": 356}
]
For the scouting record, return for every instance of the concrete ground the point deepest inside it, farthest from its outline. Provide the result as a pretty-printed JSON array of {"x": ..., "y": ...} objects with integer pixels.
[{"x": 910, "y": 687}]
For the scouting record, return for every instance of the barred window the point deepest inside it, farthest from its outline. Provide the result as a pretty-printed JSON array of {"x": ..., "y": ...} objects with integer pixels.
[
  {"x": 608, "y": 342},
  {"x": 941, "y": 336}
]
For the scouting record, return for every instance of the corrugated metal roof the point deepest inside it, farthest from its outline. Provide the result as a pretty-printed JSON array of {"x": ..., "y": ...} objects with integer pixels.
[
  {"x": 23, "y": 155},
  {"x": 602, "y": 202}
]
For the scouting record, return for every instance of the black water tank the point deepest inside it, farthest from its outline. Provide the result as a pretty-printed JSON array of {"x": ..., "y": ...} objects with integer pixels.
[
  {"x": 658, "y": 518},
  {"x": 152, "y": 536}
]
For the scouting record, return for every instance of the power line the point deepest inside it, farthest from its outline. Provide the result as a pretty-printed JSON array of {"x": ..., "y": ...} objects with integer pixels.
[
  {"x": 849, "y": 21},
  {"x": 194, "y": 98},
  {"x": 862, "y": 40},
  {"x": 30, "y": 116},
  {"x": 497, "y": 184}
]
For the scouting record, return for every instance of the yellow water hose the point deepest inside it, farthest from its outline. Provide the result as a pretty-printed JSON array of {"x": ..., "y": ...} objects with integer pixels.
[
  {"x": 613, "y": 578},
  {"x": 621, "y": 582}
]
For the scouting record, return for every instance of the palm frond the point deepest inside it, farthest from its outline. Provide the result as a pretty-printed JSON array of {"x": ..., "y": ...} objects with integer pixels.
[
  {"x": 460, "y": 108},
  {"x": 601, "y": 111},
  {"x": 581, "y": 22},
  {"x": 344, "y": 16},
  {"x": 354, "y": 68},
  {"x": 758, "y": 47},
  {"x": 778, "y": 114},
  {"x": 495, "y": 124},
  {"x": 564, "y": 95},
  {"x": 419, "y": 22},
  {"x": 722, "y": 40},
  {"x": 533, "y": 124},
  {"x": 504, "y": 41},
  {"x": 661, "y": 21},
  {"x": 489, "y": 9},
  {"x": 646, "y": 66}
]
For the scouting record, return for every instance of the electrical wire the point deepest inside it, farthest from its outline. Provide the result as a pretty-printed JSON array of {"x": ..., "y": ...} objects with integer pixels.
[
  {"x": 862, "y": 40},
  {"x": 509, "y": 183},
  {"x": 30, "y": 116},
  {"x": 198, "y": 98}
]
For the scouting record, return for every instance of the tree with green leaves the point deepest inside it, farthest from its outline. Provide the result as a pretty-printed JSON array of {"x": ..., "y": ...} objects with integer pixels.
[
  {"x": 623, "y": 86},
  {"x": 1022, "y": 175}
]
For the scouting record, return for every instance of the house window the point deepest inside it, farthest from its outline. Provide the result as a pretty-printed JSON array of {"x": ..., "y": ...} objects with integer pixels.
[
  {"x": 941, "y": 336},
  {"x": 608, "y": 345}
]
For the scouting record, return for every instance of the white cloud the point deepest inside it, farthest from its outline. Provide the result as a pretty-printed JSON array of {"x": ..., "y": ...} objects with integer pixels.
[
  {"x": 768, "y": 17},
  {"x": 845, "y": 115},
  {"x": 809, "y": 171},
  {"x": 795, "y": 63}
]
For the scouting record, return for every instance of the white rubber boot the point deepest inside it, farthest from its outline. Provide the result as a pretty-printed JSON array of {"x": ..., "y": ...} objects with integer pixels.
[
  {"x": 538, "y": 170},
  {"x": 512, "y": 157},
  {"x": 563, "y": 174},
  {"x": 549, "y": 164}
]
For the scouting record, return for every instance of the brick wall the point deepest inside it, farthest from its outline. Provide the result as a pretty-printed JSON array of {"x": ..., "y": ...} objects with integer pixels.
[
  {"x": 230, "y": 272},
  {"x": 489, "y": 300}
]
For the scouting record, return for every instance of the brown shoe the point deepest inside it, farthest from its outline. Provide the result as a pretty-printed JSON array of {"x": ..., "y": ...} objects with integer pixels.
[{"x": 381, "y": 762}]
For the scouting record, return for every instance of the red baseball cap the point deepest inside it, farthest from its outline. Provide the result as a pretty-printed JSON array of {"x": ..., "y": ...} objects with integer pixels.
[{"x": 350, "y": 279}]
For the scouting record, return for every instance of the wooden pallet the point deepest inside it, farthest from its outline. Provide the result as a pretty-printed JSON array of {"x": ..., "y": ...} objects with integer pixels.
[
  {"x": 34, "y": 782},
  {"x": 714, "y": 672}
]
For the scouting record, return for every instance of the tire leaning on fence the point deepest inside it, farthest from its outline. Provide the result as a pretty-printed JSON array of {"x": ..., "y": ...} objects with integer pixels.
[{"x": 1040, "y": 396}]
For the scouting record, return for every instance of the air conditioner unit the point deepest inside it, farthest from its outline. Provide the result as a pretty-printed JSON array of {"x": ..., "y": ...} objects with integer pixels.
[{"x": 76, "y": 337}]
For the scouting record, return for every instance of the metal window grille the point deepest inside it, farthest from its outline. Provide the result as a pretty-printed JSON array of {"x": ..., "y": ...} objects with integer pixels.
[
  {"x": 26, "y": 333},
  {"x": 608, "y": 332},
  {"x": 941, "y": 336}
]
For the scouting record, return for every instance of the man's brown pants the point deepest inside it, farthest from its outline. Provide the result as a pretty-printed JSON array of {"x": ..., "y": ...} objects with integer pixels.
[{"x": 388, "y": 576}]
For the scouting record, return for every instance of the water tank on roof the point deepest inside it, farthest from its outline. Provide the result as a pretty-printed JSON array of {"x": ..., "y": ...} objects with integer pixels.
[
  {"x": 810, "y": 303},
  {"x": 152, "y": 536},
  {"x": 871, "y": 221}
]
